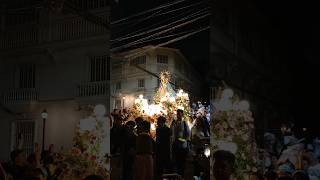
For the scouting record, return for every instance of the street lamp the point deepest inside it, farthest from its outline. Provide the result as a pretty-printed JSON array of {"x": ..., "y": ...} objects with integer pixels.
[{"x": 44, "y": 116}]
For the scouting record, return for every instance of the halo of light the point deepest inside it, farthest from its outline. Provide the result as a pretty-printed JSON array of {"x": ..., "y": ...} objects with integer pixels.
[
  {"x": 140, "y": 96},
  {"x": 99, "y": 110}
]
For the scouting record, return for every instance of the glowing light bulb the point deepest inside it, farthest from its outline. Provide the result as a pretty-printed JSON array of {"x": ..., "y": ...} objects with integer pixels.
[{"x": 207, "y": 152}]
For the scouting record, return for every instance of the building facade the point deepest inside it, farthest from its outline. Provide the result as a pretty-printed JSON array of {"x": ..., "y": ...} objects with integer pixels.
[
  {"x": 55, "y": 61},
  {"x": 129, "y": 81}
]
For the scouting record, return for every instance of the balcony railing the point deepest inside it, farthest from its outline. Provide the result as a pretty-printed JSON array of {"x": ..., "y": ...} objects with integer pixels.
[
  {"x": 75, "y": 28},
  {"x": 91, "y": 89},
  {"x": 57, "y": 30},
  {"x": 14, "y": 37},
  {"x": 18, "y": 96}
]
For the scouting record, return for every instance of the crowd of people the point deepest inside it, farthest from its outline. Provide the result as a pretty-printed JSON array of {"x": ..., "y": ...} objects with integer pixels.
[
  {"x": 290, "y": 155},
  {"x": 145, "y": 157},
  {"x": 39, "y": 165}
]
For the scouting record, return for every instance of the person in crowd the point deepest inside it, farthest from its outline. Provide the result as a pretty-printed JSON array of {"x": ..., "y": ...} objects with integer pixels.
[
  {"x": 143, "y": 167},
  {"x": 300, "y": 175},
  {"x": 53, "y": 171},
  {"x": 116, "y": 135},
  {"x": 270, "y": 175},
  {"x": 47, "y": 154},
  {"x": 128, "y": 150},
  {"x": 223, "y": 165},
  {"x": 162, "y": 149},
  {"x": 197, "y": 133},
  {"x": 311, "y": 164},
  {"x": 286, "y": 169},
  {"x": 316, "y": 145},
  {"x": 19, "y": 166},
  {"x": 180, "y": 137},
  {"x": 139, "y": 121}
]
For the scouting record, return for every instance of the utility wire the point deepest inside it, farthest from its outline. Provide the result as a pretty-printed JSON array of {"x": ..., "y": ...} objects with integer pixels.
[
  {"x": 133, "y": 55},
  {"x": 147, "y": 11},
  {"x": 159, "y": 23},
  {"x": 162, "y": 32},
  {"x": 164, "y": 13},
  {"x": 163, "y": 37},
  {"x": 158, "y": 28}
]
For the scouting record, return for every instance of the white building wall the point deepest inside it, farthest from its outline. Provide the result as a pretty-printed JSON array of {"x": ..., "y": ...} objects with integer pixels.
[
  {"x": 130, "y": 75},
  {"x": 62, "y": 64}
]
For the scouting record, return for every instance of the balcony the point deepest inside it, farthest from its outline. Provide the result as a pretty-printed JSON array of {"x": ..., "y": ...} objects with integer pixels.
[
  {"x": 21, "y": 96},
  {"x": 93, "y": 89},
  {"x": 58, "y": 29}
]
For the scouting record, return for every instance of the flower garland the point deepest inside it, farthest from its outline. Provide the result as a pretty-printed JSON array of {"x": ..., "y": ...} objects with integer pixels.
[
  {"x": 85, "y": 157},
  {"x": 232, "y": 129}
]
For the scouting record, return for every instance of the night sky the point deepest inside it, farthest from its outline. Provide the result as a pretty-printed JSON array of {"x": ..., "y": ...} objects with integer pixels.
[
  {"x": 298, "y": 24},
  {"x": 295, "y": 28}
]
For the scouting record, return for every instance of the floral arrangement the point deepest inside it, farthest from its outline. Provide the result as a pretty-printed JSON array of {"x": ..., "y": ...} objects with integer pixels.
[
  {"x": 85, "y": 158},
  {"x": 232, "y": 129},
  {"x": 165, "y": 103},
  {"x": 77, "y": 165}
]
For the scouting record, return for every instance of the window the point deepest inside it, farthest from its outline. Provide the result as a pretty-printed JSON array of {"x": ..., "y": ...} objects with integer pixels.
[
  {"x": 118, "y": 85},
  {"x": 98, "y": 68},
  {"x": 138, "y": 60},
  {"x": 162, "y": 59},
  {"x": 141, "y": 83},
  {"x": 27, "y": 76},
  {"x": 23, "y": 130}
]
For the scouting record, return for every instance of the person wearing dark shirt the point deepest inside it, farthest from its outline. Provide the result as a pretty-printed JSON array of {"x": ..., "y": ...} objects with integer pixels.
[
  {"x": 128, "y": 150},
  {"x": 163, "y": 135},
  {"x": 223, "y": 165},
  {"x": 116, "y": 135},
  {"x": 143, "y": 168},
  {"x": 19, "y": 165}
]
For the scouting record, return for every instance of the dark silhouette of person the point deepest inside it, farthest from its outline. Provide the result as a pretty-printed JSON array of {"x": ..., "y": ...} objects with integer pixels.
[
  {"x": 180, "y": 137},
  {"x": 128, "y": 150},
  {"x": 162, "y": 151},
  {"x": 223, "y": 165}
]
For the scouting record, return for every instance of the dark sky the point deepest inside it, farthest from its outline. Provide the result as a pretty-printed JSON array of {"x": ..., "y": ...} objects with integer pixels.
[
  {"x": 198, "y": 43},
  {"x": 298, "y": 22},
  {"x": 296, "y": 26}
]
